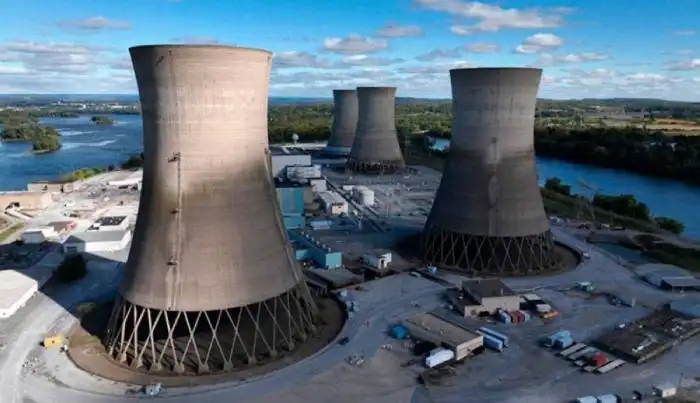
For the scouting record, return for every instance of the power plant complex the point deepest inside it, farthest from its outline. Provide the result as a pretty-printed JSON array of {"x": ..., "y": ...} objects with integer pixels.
[
  {"x": 375, "y": 148},
  {"x": 210, "y": 283},
  {"x": 344, "y": 122},
  {"x": 488, "y": 214}
]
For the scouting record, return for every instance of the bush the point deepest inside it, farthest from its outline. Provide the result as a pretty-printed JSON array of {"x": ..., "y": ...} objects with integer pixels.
[
  {"x": 670, "y": 224},
  {"x": 72, "y": 268}
]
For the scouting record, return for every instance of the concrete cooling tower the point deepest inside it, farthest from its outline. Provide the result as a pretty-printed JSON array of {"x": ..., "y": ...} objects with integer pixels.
[
  {"x": 488, "y": 214},
  {"x": 210, "y": 284},
  {"x": 376, "y": 146},
  {"x": 344, "y": 122}
]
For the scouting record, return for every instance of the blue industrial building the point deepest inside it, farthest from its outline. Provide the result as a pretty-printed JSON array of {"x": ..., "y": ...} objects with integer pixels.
[
  {"x": 291, "y": 200},
  {"x": 307, "y": 247}
]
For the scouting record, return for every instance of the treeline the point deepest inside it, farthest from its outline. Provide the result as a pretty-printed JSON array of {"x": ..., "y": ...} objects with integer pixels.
[
  {"x": 624, "y": 205},
  {"x": 42, "y": 138}
]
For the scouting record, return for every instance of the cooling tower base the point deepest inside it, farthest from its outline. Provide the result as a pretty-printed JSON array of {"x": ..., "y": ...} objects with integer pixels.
[
  {"x": 195, "y": 357},
  {"x": 375, "y": 167},
  {"x": 501, "y": 256},
  {"x": 207, "y": 342}
]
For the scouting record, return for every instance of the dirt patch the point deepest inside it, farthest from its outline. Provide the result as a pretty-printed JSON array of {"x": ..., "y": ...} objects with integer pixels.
[{"x": 88, "y": 353}]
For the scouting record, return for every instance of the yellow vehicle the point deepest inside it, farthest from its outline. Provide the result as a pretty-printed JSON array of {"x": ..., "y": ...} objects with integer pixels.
[{"x": 53, "y": 341}]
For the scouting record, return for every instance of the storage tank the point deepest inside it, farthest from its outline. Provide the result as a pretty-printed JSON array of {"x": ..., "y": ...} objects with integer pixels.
[
  {"x": 366, "y": 197},
  {"x": 438, "y": 356}
]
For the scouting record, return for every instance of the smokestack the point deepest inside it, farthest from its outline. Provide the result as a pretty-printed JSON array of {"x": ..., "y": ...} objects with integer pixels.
[
  {"x": 376, "y": 147},
  {"x": 488, "y": 214},
  {"x": 209, "y": 264},
  {"x": 344, "y": 122}
]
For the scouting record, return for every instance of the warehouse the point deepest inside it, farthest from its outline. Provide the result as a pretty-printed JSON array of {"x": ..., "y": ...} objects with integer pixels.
[
  {"x": 429, "y": 327},
  {"x": 307, "y": 247},
  {"x": 333, "y": 203},
  {"x": 484, "y": 296},
  {"x": 38, "y": 234},
  {"x": 17, "y": 287},
  {"x": 25, "y": 200},
  {"x": 668, "y": 277},
  {"x": 97, "y": 241},
  {"x": 283, "y": 157},
  {"x": 110, "y": 223}
]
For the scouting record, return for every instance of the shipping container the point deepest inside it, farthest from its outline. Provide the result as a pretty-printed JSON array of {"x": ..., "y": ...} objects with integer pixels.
[
  {"x": 563, "y": 343},
  {"x": 527, "y": 315},
  {"x": 492, "y": 342},
  {"x": 513, "y": 318},
  {"x": 500, "y": 336},
  {"x": 438, "y": 356},
  {"x": 568, "y": 351},
  {"x": 598, "y": 360},
  {"x": 504, "y": 317},
  {"x": 543, "y": 308},
  {"x": 610, "y": 366},
  {"x": 581, "y": 353},
  {"x": 398, "y": 332}
]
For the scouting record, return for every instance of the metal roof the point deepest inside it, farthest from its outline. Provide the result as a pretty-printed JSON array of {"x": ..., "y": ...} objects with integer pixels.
[
  {"x": 96, "y": 236},
  {"x": 445, "y": 331}
]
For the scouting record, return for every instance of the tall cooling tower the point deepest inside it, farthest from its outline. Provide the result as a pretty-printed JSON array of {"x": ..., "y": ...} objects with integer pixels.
[
  {"x": 210, "y": 284},
  {"x": 344, "y": 122},
  {"x": 488, "y": 214},
  {"x": 376, "y": 146}
]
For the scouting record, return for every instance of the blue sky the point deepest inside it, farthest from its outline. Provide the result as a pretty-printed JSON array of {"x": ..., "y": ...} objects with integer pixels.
[{"x": 591, "y": 48}]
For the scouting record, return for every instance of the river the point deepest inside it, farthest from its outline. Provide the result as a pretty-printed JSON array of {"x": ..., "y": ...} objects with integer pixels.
[{"x": 88, "y": 145}]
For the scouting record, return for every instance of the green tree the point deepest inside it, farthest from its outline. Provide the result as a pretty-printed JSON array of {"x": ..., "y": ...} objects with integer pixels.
[
  {"x": 556, "y": 185},
  {"x": 72, "y": 268},
  {"x": 670, "y": 224}
]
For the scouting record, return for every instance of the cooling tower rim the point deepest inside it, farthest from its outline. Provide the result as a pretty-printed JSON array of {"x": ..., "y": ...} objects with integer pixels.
[
  {"x": 495, "y": 69},
  {"x": 198, "y": 46}
]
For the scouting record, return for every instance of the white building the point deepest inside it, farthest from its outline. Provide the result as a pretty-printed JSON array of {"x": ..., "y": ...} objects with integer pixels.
[
  {"x": 302, "y": 173},
  {"x": 318, "y": 185},
  {"x": 363, "y": 195},
  {"x": 281, "y": 160},
  {"x": 38, "y": 235},
  {"x": 378, "y": 259},
  {"x": 110, "y": 223},
  {"x": 333, "y": 203},
  {"x": 97, "y": 241},
  {"x": 17, "y": 287}
]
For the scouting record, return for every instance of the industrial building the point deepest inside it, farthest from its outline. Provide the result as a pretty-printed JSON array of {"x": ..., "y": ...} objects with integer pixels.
[
  {"x": 283, "y": 157},
  {"x": 668, "y": 277},
  {"x": 333, "y": 203},
  {"x": 688, "y": 306},
  {"x": 97, "y": 241},
  {"x": 110, "y": 223},
  {"x": 38, "y": 234},
  {"x": 25, "y": 200},
  {"x": 486, "y": 296},
  {"x": 17, "y": 287},
  {"x": 429, "y": 327},
  {"x": 488, "y": 215},
  {"x": 378, "y": 259},
  {"x": 375, "y": 148},
  {"x": 306, "y": 247},
  {"x": 234, "y": 263},
  {"x": 291, "y": 197},
  {"x": 344, "y": 122},
  {"x": 302, "y": 173},
  {"x": 650, "y": 336}
]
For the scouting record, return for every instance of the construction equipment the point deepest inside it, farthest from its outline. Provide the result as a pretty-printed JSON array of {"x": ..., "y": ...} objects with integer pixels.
[{"x": 53, "y": 341}]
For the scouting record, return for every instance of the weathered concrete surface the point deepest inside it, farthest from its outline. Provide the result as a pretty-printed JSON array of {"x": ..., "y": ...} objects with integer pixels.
[{"x": 344, "y": 122}]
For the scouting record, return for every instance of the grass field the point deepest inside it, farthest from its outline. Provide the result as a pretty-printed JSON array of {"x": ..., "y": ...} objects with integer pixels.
[{"x": 669, "y": 126}]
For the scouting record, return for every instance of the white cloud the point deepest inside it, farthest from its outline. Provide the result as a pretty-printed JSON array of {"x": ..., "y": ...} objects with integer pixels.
[
  {"x": 547, "y": 59},
  {"x": 482, "y": 48},
  {"x": 298, "y": 59},
  {"x": 196, "y": 40},
  {"x": 364, "y": 60},
  {"x": 437, "y": 54},
  {"x": 492, "y": 18},
  {"x": 354, "y": 44},
  {"x": 392, "y": 30},
  {"x": 94, "y": 24},
  {"x": 123, "y": 63},
  {"x": 686, "y": 65},
  {"x": 685, "y": 32},
  {"x": 538, "y": 43}
]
